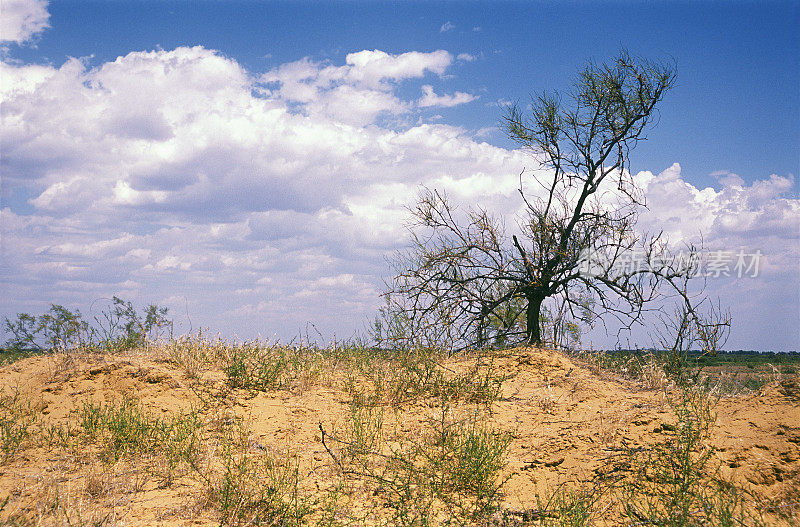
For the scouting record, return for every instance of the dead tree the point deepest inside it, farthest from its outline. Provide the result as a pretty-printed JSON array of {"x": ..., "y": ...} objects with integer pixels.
[{"x": 467, "y": 282}]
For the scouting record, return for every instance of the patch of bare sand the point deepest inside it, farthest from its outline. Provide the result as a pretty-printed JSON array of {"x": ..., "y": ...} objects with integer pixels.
[{"x": 567, "y": 423}]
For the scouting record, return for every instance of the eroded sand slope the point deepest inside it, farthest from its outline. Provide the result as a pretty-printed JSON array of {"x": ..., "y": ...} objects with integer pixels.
[{"x": 567, "y": 422}]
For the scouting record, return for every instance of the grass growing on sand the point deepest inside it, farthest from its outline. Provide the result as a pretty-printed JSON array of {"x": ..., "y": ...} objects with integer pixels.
[{"x": 197, "y": 429}]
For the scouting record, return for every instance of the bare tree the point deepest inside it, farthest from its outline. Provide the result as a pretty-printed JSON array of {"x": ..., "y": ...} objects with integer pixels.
[
  {"x": 466, "y": 282},
  {"x": 701, "y": 323}
]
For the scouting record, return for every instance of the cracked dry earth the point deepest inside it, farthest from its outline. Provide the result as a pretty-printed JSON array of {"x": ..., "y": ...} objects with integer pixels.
[{"x": 567, "y": 421}]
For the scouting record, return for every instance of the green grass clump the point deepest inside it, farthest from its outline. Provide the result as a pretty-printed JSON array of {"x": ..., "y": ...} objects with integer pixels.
[
  {"x": 423, "y": 375},
  {"x": 470, "y": 459},
  {"x": 455, "y": 473},
  {"x": 412, "y": 375},
  {"x": 566, "y": 508},
  {"x": 451, "y": 470},
  {"x": 255, "y": 489},
  {"x": 125, "y": 430},
  {"x": 259, "y": 368},
  {"x": 364, "y": 434},
  {"x": 676, "y": 483},
  {"x": 17, "y": 419}
]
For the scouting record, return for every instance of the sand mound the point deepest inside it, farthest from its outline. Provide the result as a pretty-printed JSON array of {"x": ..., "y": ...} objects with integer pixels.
[{"x": 567, "y": 423}]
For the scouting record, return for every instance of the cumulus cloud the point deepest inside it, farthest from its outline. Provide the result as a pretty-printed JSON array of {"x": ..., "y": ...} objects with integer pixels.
[
  {"x": 758, "y": 214},
  {"x": 21, "y": 20},
  {"x": 258, "y": 203},
  {"x": 447, "y": 26},
  {"x": 357, "y": 92},
  {"x": 728, "y": 179},
  {"x": 430, "y": 98}
]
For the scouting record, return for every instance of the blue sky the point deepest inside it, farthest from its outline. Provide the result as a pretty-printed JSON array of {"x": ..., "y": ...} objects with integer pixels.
[
  {"x": 735, "y": 107},
  {"x": 102, "y": 196}
]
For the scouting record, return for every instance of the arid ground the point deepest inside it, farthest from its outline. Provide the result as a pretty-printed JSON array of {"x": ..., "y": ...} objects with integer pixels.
[{"x": 201, "y": 433}]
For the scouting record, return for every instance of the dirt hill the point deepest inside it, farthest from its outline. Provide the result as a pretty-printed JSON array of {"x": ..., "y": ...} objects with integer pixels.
[{"x": 198, "y": 433}]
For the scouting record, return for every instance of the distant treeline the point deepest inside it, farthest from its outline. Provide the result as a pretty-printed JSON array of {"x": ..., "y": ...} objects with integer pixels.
[{"x": 728, "y": 357}]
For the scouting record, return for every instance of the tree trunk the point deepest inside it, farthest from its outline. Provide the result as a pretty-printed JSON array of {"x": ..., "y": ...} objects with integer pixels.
[{"x": 534, "y": 330}]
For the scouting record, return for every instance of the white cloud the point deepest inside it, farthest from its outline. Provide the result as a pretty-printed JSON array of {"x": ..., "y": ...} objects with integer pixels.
[
  {"x": 447, "y": 26},
  {"x": 21, "y": 20},
  {"x": 357, "y": 92},
  {"x": 466, "y": 57},
  {"x": 125, "y": 195},
  {"x": 364, "y": 69},
  {"x": 430, "y": 98},
  {"x": 500, "y": 103},
  {"x": 728, "y": 179},
  {"x": 759, "y": 214},
  {"x": 373, "y": 67}
]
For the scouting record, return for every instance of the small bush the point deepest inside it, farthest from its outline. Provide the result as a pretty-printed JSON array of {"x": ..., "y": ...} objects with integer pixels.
[
  {"x": 118, "y": 328},
  {"x": 567, "y": 508},
  {"x": 452, "y": 470},
  {"x": 256, "y": 368},
  {"x": 58, "y": 329},
  {"x": 121, "y": 327},
  {"x": 364, "y": 434},
  {"x": 456, "y": 473},
  {"x": 470, "y": 460},
  {"x": 676, "y": 483},
  {"x": 254, "y": 489}
]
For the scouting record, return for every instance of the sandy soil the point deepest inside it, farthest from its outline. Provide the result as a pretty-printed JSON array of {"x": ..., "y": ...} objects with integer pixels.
[{"x": 568, "y": 421}]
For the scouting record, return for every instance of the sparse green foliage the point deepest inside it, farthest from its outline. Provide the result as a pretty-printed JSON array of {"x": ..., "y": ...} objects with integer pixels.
[
  {"x": 470, "y": 460},
  {"x": 451, "y": 470},
  {"x": 254, "y": 489},
  {"x": 258, "y": 368},
  {"x": 118, "y": 328},
  {"x": 568, "y": 507},
  {"x": 125, "y": 430},
  {"x": 58, "y": 329},
  {"x": 688, "y": 327},
  {"x": 415, "y": 374},
  {"x": 455, "y": 468},
  {"x": 16, "y": 421},
  {"x": 676, "y": 483},
  {"x": 364, "y": 434},
  {"x": 121, "y": 327}
]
